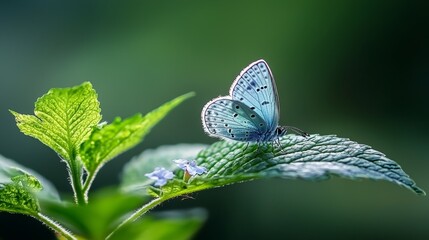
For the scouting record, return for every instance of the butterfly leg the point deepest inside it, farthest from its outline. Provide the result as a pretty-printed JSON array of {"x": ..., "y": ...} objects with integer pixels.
[{"x": 277, "y": 145}]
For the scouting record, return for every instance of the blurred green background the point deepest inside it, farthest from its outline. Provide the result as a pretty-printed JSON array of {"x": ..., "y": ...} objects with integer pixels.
[{"x": 358, "y": 69}]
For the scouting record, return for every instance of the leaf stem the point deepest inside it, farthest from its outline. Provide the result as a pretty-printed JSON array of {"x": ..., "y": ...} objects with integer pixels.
[
  {"x": 145, "y": 208},
  {"x": 88, "y": 182},
  {"x": 54, "y": 226},
  {"x": 75, "y": 173},
  {"x": 148, "y": 206}
]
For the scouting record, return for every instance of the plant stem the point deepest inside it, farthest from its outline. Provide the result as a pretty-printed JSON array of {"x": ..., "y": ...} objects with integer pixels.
[
  {"x": 145, "y": 208},
  {"x": 87, "y": 184},
  {"x": 75, "y": 173},
  {"x": 54, "y": 226}
]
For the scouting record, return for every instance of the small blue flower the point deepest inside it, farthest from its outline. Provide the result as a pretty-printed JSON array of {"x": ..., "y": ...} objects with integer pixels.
[
  {"x": 190, "y": 167},
  {"x": 160, "y": 175}
]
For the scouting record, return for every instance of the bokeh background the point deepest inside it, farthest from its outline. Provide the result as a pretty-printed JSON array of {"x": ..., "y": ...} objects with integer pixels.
[{"x": 358, "y": 69}]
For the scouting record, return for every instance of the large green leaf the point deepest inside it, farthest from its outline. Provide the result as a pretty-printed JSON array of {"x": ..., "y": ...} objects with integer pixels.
[
  {"x": 113, "y": 139},
  {"x": 64, "y": 118},
  {"x": 177, "y": 225},
  {"x": 312, "y": 158}
]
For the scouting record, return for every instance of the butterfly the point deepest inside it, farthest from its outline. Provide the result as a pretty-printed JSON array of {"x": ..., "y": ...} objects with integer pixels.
[{"x": 251, "y": 111}]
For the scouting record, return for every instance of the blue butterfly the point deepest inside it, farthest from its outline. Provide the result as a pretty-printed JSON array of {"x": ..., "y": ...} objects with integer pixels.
[{"x": 251, "y": 111}]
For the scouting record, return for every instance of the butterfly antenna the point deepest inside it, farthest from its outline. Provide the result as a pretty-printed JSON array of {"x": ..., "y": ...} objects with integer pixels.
[{"x": 297, "y": 131}]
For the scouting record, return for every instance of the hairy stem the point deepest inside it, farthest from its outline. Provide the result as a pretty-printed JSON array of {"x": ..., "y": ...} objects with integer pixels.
[
  {"x": 145, "y": 208},
  {"x": 75, "y": 172},
  {"x": 87, "y": 185},
  {"x": 54, "y": 226}
]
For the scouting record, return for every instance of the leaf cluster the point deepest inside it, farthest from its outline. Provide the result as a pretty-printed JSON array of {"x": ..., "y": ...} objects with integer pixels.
[{"x": 67, "y": 120}]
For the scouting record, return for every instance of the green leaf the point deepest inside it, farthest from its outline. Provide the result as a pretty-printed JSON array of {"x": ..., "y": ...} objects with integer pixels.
[
  {"x": 18, "y": 189},
  {"x": 64, "y": 118},
  {"x": 133, "y": 175},
  {"x": 96, "y": 219},
  {"x": 18, "y": 197},
  {"x": 113, "y": 139},
  {"x": 177, "y": 225},
  {"x": 312, "y": 158},
  {"x": 10, "y": 170}
]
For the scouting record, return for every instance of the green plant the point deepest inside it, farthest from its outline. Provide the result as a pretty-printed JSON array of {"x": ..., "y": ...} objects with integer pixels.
[{"x": 68, "y": 121}]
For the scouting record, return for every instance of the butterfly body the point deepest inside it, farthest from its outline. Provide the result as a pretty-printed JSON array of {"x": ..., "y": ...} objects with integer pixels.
[{"x": 251, "y": 111}]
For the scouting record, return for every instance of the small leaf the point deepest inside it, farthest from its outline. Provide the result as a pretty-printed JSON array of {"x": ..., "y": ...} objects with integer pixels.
[
  {"x": 115, "y": 138},
  {"x": 177, "y": 225},
  {"x": 96, "y": 219},
  {"x": 64, "y": 118},
  {"x": 27, "y": 181},
  {"x": 133, "y": 175},
  {"x": 15, "y": 198},
  {"x": 312, "y": 158},
  {"x": 18, "y": 189},
  {"x": 11, "y": 171}
]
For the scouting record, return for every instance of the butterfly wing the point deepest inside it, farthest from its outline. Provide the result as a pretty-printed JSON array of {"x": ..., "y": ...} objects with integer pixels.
[
  {"x": 256, "y": 88},
  {"x": 224, "y": 117}
]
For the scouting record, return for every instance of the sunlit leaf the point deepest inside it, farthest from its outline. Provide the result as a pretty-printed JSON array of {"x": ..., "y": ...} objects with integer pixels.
[
  {"x": 48, "y": 191},
  {"x": 19, "y": 189},
  {"x": 113, "y": 139},
  {"x": 64, "y": 118}
]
